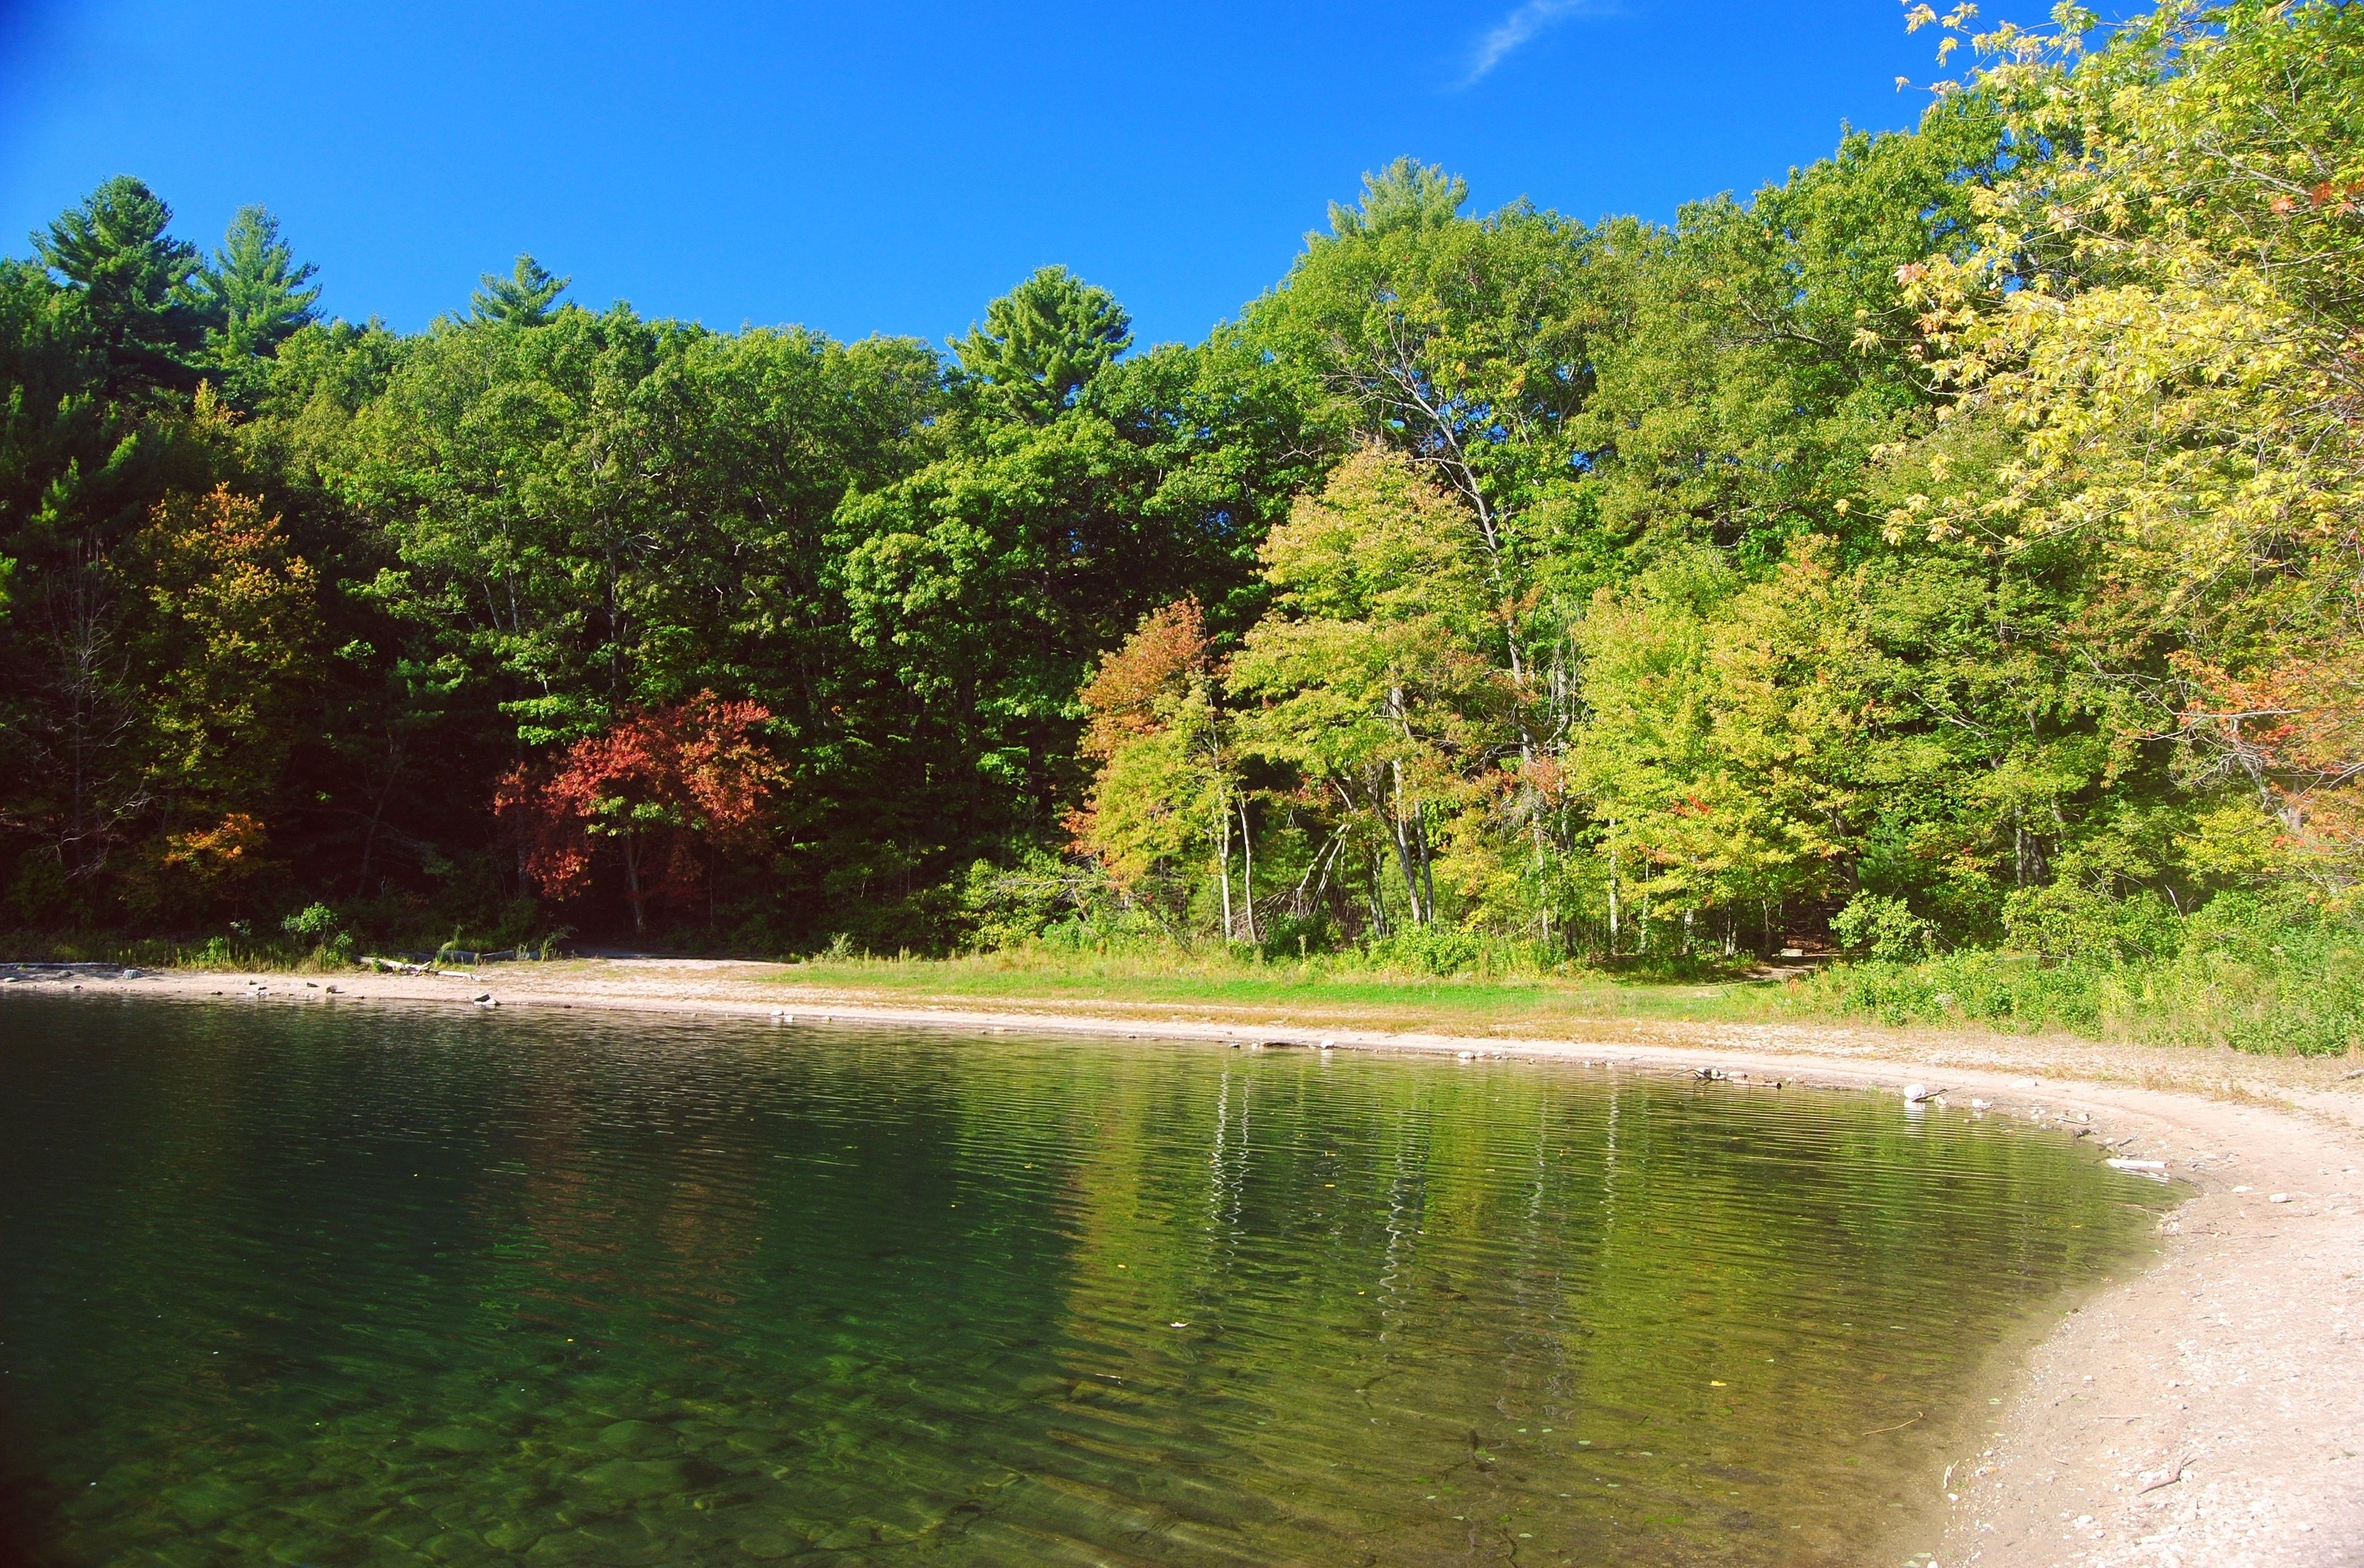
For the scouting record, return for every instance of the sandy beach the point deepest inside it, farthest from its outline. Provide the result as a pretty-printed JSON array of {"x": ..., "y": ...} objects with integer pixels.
[{"x": 2207, "y": 1412}]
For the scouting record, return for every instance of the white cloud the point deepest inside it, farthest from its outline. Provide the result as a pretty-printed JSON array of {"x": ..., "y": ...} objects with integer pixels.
[{"x": 1513, "y": 31}]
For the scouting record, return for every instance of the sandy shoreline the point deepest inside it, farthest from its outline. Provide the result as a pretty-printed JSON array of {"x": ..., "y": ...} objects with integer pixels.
[{"x": 2207, "y": 1413}]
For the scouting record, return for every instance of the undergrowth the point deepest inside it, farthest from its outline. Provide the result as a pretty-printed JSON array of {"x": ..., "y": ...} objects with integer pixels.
[{"x": 2266, "y": 976}]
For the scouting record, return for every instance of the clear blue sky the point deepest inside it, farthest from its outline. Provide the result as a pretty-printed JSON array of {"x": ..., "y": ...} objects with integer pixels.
[{"x": 888, "y": 167}]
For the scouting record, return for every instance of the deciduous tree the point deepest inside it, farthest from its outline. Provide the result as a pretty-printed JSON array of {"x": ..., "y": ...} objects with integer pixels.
[{"x": 663, "y": 787}]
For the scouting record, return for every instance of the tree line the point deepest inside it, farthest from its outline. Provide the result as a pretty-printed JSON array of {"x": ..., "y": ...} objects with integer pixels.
[{"x": 1954, "y": 544}]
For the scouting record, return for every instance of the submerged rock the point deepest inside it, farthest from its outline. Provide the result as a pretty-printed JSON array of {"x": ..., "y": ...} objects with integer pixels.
[
  {"x": 458, "y": 1439},
  {"x": 633, "y": 1436},
  {"x": 633, "y": 1480}
]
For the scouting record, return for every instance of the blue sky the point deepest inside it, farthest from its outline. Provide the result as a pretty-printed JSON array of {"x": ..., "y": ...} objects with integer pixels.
[{"x": 891, "y": 167}]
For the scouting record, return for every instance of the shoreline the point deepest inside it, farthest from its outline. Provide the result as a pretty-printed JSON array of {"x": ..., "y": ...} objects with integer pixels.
[{"x": 2209, "y": 1410}]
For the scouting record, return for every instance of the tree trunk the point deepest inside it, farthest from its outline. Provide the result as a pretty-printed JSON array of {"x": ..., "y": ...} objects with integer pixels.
[
  {"x": 633, "y": 882},
  {"x": 1427, "y": 862},
  {"x": 1247, "y": 871},
  {"x": 1612, "y": 887},
  {"x": 1223, "y": 857},
  {"x": 1400, "y": 835},
  {"x": 377, "y": 816}
]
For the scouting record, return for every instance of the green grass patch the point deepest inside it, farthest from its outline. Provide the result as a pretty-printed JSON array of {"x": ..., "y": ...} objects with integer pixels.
[{"x": 1313, "y": 991}]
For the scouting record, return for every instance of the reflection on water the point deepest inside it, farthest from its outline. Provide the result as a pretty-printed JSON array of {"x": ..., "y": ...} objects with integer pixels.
[{"x": 333, "y": 1284}]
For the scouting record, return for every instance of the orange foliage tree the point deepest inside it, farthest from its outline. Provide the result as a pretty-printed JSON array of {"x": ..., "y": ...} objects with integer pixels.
[
  {"x": 2296, "y": 731},
  {"x": 1165, "y": 778},
  {"x": 665, "y": 787},
  {"x": 1125, "y": 695}
]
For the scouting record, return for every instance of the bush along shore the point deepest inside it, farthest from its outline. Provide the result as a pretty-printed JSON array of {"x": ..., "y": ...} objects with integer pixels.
[{"x": 1943, "y": 561}]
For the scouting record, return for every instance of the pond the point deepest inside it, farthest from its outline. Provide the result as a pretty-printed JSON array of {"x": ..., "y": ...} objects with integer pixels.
[{"x": 333, "y": 1283}]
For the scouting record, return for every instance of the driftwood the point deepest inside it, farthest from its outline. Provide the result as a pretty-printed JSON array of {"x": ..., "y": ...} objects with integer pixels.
[{"x": 403, "y": 966}]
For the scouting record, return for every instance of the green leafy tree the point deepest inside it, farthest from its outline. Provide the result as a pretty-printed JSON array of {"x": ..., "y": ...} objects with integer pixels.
[
  {"x": 95, "y": 432},
  {"x": 220, "y": 644},
  {"x": 1726, "y": 750},
  {"x": 1371, "y": 677},
  {"x": 1463, "y": 344},
  {"x": 2152, "y": 350},
  {"x": 1761, "y": 350},
  {"x": 981, "y": 589}
]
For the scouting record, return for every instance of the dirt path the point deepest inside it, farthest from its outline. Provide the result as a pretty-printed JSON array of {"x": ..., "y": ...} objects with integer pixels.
[{"x": 2208, "y": 1413}]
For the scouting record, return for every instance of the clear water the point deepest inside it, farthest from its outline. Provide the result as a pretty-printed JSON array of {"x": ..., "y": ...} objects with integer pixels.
[{"x": 331, "y": 1283}]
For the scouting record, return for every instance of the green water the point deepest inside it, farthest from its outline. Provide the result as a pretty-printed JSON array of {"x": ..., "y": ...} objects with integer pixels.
[{"x": 328, "y": 1282}]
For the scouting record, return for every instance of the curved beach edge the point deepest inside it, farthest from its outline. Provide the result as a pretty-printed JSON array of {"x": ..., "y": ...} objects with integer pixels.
[{"x": 2206, "y": 1411}]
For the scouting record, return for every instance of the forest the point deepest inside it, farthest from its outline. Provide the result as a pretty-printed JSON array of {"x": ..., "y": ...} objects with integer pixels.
[{"x": 1953, "y": 551}]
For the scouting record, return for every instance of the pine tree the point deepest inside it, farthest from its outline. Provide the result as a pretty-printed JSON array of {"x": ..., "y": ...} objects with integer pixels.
[
  {"x": 1042, "y": 341},
  {"x": 255, "y": 291},
  {"x": 1404, "y": 194},
  {"x": 134, "y": 284},
  {"x": 527, "y": 298}
]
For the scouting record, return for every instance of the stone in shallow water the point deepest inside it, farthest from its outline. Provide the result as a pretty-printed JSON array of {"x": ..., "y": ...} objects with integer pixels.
[
  {"x": 848, "y": 1534},
  {"x": 768, "y": 1544},
  {"x": 205, "y": 1504},
  {"x": 610, "y": 1543},
  {"x": 632, "y": 1437},
  {"x": 458, "y": 1439},
  {"x": 513, "y": 1537},
  {"x": 633, "y": 1480},
  {"x": 757, "y": 1444}
]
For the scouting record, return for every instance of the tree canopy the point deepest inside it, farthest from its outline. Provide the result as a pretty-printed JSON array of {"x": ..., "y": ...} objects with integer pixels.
[{"x": 1953, "y": 544}]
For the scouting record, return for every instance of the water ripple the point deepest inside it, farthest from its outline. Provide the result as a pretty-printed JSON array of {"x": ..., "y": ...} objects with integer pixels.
[{"x": 359, "y": 1287}]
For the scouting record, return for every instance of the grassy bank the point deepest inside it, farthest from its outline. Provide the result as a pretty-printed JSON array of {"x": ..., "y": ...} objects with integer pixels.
[
  {"x": 2303, "y": 996},
  {"x": 2276, "y": 989},
  {"x": 1315, "y": 991},
  {"x": 259, "y": 955},
  {"x": 2273, "y": 987}
]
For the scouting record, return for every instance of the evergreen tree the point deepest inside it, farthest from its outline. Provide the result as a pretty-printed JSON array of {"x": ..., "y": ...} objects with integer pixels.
[
  {"x": 1404, "y": 194},
  {"x": 255, "y": 290},
  {"x": 1040, "y": 343},
  {"x": 133, "y": 284},
  {"x": 527, "y": 298}
]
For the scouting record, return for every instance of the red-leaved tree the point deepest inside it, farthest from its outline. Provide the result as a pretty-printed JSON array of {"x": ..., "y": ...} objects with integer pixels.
[{"x": 666, "y": 788}]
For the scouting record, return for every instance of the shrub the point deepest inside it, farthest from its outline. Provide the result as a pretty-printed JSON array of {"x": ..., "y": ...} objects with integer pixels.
[
  {"x": 315, "y": 923},
  {"x": 1884, "y": 929},
  {"x": 319, "y": 928},
  {"x": 2271, "y": 975},
  {"x": 1427, "y": 950}
]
